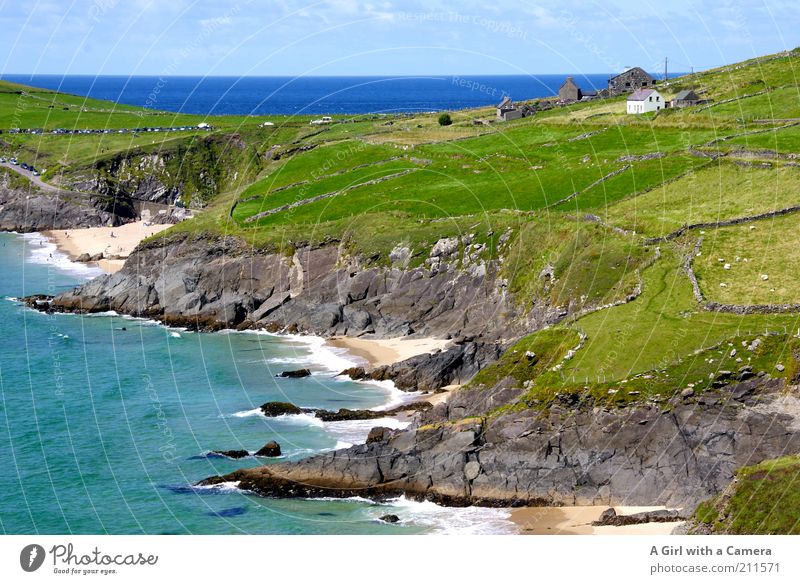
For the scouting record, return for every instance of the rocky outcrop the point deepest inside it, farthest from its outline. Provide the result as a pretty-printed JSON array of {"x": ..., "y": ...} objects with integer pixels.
[
  {"x": 273, "y": 409},
  {"x": 295, "y": 373},
  {"x": 610, "y": 517},
  {"x": 270, "y": 449},
  {"x": 235, "y": 454},
  {"x": 431, "y": 371},
  {"x": 215, "y": 283},
  {"x": 26, "y": 210},
  {"x": 674, "y": 453}
]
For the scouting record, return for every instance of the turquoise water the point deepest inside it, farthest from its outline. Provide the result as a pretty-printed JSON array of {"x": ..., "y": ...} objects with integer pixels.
[{"x": 105, "y": 422}]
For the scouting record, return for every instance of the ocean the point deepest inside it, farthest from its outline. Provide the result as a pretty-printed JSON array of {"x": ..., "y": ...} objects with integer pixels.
[
  {"x": 309, "y": 95},
  {"x": 106, "y": 420}
]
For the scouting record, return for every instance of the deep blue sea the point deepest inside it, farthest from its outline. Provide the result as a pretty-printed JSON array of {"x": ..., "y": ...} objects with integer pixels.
[
  {"x": 105, "y": 421},
  {"x": 309, "y": 95}
]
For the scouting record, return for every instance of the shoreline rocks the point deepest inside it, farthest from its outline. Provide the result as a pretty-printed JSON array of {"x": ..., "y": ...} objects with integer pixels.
[
  {"x": 296, "y": 374},
  {"x": 235, "y": 454},
  {"x": 274, "y": 409},
  {"x": 686, "y": 452},
  {"x": 270, "y": 449}
]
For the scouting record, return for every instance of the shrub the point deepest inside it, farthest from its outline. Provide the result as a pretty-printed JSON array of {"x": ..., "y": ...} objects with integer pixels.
[{"x": 445, "y": 120}]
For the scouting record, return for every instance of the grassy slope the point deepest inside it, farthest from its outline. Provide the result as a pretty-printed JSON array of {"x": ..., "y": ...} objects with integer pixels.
[
  {"x": 764, "y": 499},
  {"x": 768, "y": 247},
  {"x": 536, "y": 177}
]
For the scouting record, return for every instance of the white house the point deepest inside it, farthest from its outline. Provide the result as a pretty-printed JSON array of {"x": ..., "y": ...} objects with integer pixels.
[{"x": 645, "y": 100}]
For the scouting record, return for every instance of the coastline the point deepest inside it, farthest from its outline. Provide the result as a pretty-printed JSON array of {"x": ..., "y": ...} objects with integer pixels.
[
  {"x": 525, "y": 521},
  {"x": 381, "y": 352},
  {"x": 577, "y": 520},
  {"x": 115, "y": 243}
]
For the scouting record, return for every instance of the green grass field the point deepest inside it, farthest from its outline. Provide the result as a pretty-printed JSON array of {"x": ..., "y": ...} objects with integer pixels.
[
  {"x": 714, "y": 193},
  {"x": 740, "y": 256},
  {"x": 403, "y": 179}
]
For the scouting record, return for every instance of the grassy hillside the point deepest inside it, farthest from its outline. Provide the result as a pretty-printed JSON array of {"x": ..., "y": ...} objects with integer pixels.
[
  {"x": 763, "y": 499},
  {"x": 569, "y": 197}
]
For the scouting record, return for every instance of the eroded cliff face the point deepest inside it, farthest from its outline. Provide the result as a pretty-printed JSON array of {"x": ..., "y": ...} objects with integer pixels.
[
  {"x": 214, "y": 283},
  {"x": 26, "y": 210},
  {"x": 673, "y": 454},
  {"x": 193, "y": 171}
]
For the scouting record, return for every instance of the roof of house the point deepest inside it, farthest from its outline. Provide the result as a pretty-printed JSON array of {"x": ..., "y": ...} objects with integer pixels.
[
  {"x": 641, "y": 94},
  {"x": 569, "y": 81},
  {"x": 506, "y": 103},
  {"x": 630, "y": 70},
  {"x": 686, "y": 94}
]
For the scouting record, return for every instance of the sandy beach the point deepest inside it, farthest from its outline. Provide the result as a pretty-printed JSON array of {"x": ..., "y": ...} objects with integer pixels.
[
  {"x": 379, "y": 352},
  {"x": 578, "y": 521},
  {"x": 116, "y": 243}
]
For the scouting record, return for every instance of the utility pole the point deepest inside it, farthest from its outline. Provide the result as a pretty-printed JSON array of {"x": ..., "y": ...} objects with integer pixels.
[{"x": 665, "y": 68}]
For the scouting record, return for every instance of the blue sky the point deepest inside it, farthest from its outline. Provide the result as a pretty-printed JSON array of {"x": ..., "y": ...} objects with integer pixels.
[{"x": 385, "y": 37}]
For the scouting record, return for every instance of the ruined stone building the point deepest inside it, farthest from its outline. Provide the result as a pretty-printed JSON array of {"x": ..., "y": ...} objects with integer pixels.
[{"x": 631, "y": 80}]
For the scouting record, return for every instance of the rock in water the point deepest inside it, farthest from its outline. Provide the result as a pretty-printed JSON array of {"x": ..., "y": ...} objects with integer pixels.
[
  {"x": 272, "y": 409},
  {"x": 295, "y": 374},
  {"x": 83, "y": 258},
  {"x": 230, "y": 453},
  {"x": 271, "y": 448},
  {"x": 390, "y": 518},
  {"x": 356, "y": 373}
]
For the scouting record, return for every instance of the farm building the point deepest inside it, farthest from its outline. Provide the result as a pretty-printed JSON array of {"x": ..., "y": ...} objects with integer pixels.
[
  {"x": 643, "y": 101},
  {"x": 631, "y": 80},
  {"x": 570, "y": 91},
  {"x": 686, "y": 98},
  {"x": 506, "y": 110}
]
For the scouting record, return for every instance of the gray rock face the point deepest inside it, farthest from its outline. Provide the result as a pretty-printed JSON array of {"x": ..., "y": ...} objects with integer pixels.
[
  {"x": 26, "y": 210},
  {"x": 680, "y": 456},
  {"x": 221, "y": 283}
]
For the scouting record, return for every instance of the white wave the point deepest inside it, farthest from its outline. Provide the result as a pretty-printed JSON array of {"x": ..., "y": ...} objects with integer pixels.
[
  {"x": 299, "y": 419},
  {"x": 355, "y": 499},
  {"x": 175, "y": 334},
  {"x": 244, "y": 414},
  {"x": 395, "y": 397},
  {"x": 329, "y": 358},
  {"x": 312, "y": 351},
  {"x": 304, "y": 419},
  {"x": 452, "y": 520},
  {"x": 226, "y": 487},
  {"x": 352, "y": 432},
  {"x": 104, "y": 313},
  {"x": 40, "y": 250}
]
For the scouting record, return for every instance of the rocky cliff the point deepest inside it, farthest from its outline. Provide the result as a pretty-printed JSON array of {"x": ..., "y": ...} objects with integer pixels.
[
  {"x": 673, "y": 454},
  {"x": 214, "y": 283},
  {"x": 25, "y": 210},
  {"x": 192, "y": 170}
]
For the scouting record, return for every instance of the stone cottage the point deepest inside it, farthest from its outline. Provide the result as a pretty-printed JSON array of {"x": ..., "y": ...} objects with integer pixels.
[
  {"x": 631, "y": 80},
  {"x": 686, "y": 98},
  {"x": 570, "y": 91},
  {"x": 506, "y": 110}
]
